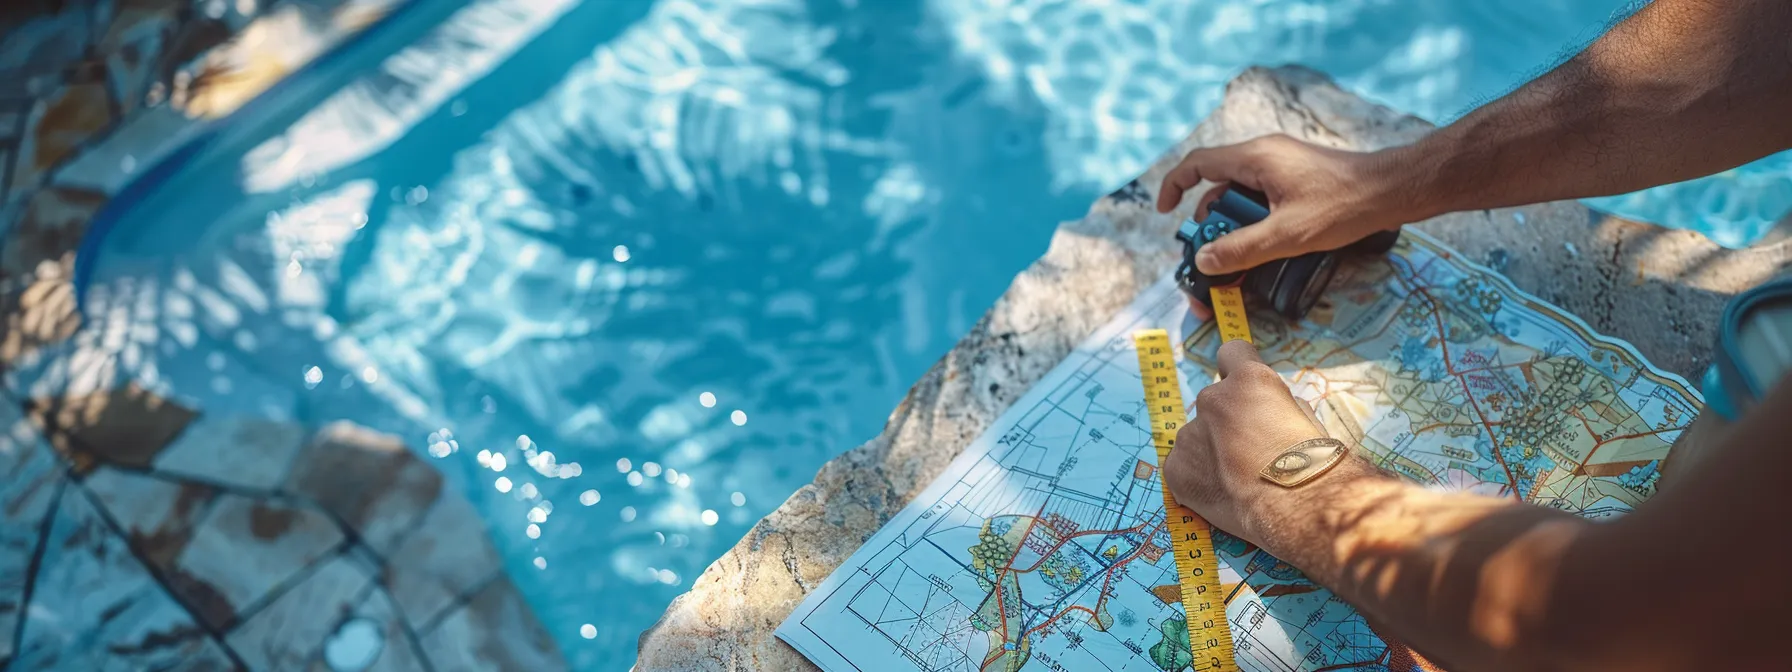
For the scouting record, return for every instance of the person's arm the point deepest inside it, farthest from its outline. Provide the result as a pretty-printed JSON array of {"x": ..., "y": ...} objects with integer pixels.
[
  {"x": 1695, "y": 578},
  {"x": 1681, "y": 89},
  {"x": 1692, "y": 579}
]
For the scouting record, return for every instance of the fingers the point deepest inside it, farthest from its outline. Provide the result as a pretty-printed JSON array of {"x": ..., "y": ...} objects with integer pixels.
[
  {"x": 1216, "y": 164},
  {"x": 1183, "y": 472},
  {"x": 1208, "y": 198},
  {"x": 1235, "y": 356},
  {"x": 1271, "y": 239}
]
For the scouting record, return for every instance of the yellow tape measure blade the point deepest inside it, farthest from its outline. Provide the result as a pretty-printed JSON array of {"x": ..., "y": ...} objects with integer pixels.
[
  {"x": 1197, "y": 568},
  {"x": 1228, "y": 313}
]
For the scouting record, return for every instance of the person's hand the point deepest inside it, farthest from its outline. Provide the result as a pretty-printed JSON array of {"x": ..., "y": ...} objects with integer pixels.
[
  {"x": 1241, "y": 423},
  {"x": 1319, "y": 198}
]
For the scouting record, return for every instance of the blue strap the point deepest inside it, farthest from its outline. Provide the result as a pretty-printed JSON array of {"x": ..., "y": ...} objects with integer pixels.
[{"x": 1717, "y": 399}]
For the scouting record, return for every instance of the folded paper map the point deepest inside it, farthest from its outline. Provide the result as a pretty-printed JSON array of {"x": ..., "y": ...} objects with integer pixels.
[{"x": 1043, "y": 547}]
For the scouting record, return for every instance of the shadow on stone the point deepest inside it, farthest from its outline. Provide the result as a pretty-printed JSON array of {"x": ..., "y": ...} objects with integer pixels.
[
  {"x": 128, "y": 426},
  {"x": 370, "y": 481}
]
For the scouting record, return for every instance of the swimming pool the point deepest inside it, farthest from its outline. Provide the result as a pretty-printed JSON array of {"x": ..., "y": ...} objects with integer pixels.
[{"x": 629, "y": 272}]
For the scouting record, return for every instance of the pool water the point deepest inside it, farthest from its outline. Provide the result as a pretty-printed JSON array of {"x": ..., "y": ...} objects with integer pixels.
[{"x": 630, "y": 272}]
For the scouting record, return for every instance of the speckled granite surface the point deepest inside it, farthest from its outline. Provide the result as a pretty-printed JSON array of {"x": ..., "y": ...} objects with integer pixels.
[
  {"x": 1619, "y": 276},
  {"x": 142, "y": 531}
]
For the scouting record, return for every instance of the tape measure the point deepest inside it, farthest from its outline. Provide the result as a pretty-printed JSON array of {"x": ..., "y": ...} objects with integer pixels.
[
  {"x": 1228, "y": 313},
  {"x": 1197, "y": 568}
]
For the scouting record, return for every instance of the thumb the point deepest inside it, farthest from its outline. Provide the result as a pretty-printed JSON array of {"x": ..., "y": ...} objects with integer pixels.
[{"x": 1271, "y": 239}]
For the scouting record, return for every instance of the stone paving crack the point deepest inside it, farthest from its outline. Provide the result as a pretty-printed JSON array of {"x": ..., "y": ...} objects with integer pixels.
[
  {"x": 161, "y": 579},
  {"x": 37, "y": 557},
  {"x": 278, "y": 590},
  {"x": 459, "y": 602}
]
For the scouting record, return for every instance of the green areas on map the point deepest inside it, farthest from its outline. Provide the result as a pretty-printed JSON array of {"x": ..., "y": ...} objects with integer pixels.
[
  {"x": 1005, "y": 656},
  {"x": 1066, "y": 568},
  {"x": 1001, "y": 609},
  {"x": 1439, "y": 371},
  {"x": 1103, "y": 619},
  {"x": 1000, "y": 617},
  {"x": 1171, "y": 653},
  {"x": 1482, "y": 297},
  {"x": 986, "y": 618},
  {"x": 996, "y": 546}
]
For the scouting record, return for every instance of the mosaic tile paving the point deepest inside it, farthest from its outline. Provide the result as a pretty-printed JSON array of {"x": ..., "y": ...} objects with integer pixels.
[{"x": 137, "y": 532}]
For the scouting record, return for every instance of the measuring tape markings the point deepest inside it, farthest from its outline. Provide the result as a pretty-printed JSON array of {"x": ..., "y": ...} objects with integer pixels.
[
  {"x": 1228, "y": 313},
  {"x": 1197, "y": 568}
]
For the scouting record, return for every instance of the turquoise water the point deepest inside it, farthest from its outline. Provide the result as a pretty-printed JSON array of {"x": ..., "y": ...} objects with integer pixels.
[{"x": 630, "y": 275}]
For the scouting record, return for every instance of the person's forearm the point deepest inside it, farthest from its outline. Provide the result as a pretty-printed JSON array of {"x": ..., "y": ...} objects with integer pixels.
[
  {"x": 1694, "y": 579},
  {"x": 1465, "y": 580},
  {"x": 1681, "y": 89}
]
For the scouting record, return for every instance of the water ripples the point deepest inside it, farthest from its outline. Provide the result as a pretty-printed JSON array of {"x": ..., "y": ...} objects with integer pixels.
[{"x": 630, "y": 289}]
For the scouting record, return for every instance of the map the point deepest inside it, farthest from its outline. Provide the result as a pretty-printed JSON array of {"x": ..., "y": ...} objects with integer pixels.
[{"x": 1043, "y": 546}]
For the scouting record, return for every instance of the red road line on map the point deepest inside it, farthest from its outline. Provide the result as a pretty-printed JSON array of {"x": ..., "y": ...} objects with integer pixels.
[
  {"x": 1003, "y": 575},
  {"x": 1601, "y": 442},
  {"x": 1436, "y": 425},
  {"x": 1637, "y": 435},
  {"x": 1071, "y": 608},
  {"x": 1107, "y": 579},
  {"x": 1420, "y": 271},
  {"x": 1003, "y": 612},
  {"x": 1379, "y": 660},
  {"x": 992, "y": 658},
  {"x": 1066, "y": 539},
  {"x": 1589, "y": 427},
  {"x": 1495, "y": 367},
  {"x": 1443, "y": 343}
]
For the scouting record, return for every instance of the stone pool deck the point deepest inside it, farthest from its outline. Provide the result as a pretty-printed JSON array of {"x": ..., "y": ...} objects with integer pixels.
[
  {"x": 1660, "y": 289},
  {"x": 143, "y": 531}
]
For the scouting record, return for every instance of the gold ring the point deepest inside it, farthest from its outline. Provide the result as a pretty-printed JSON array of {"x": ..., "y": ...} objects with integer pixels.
[{"x": 1304, "y": 461}]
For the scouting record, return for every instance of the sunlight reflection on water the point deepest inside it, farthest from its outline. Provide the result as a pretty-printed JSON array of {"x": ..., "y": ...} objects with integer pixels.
[
  {"x": 710, "y": 243},
  {"x": 1122, "y": 80}
]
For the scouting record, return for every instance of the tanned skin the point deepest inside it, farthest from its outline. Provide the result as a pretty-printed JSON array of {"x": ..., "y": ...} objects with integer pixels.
[{"x": 1698, "y": 577}]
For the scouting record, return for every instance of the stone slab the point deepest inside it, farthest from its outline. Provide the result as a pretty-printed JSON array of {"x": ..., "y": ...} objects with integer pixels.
[
  {"x": 37, "y": 262},
  {"x": 41, "y": 38},
  {"x": 494, "y": 630},
  {"x": 1618, "y": 275},
  {"x": 157, "y": 515},
  {"x": 132, "y": 42},
  {"x": 289, "y": 633},
  {"x": 95, "y": 607},
  {"x": 243, "y": 451},
  {"x": 246, "y": 550},
  {"x": 126, "y": 426},
  {"x": 62, "y": 122},
  {"x": 367, "y": 479},
  {"x": 155, "y": 548},
  {"x": 392, "y": 648},
  {"x": 448, "y": 556},
  {"x": 136, "y": 145},
  {"x": 30, "y": 480}
]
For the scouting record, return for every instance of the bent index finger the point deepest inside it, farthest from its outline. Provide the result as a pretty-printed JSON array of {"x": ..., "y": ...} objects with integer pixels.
[
  {"x": 1217, "y": 164},
  {"x": 1273, "y": 238},
  {"x": 1235, "y": 355}
]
